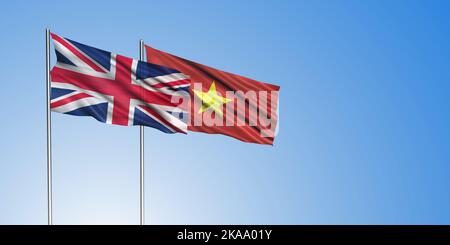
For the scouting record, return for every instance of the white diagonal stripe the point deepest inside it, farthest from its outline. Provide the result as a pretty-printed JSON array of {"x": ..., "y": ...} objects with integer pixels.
[{"x": 85, "y": 55}]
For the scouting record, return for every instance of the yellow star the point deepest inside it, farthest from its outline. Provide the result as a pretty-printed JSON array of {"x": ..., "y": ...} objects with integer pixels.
[{"x": 211, "y": 100}]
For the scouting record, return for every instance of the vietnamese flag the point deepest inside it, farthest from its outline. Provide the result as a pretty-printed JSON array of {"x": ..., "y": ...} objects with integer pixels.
[{"x": 225, "y": 103}]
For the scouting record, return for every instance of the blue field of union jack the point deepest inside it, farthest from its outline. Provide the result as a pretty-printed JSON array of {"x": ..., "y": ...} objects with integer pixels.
[{"x": 115, "y": 89}]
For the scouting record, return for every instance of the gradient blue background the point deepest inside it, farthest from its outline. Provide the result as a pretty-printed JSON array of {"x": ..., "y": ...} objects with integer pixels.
[{"x": 364, "y": 118}]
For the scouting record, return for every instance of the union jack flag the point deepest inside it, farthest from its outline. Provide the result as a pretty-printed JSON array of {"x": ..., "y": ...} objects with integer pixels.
[{"x": 115, "y": 89}]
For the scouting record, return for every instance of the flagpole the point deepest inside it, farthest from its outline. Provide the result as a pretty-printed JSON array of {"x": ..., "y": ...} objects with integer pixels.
[
  {"x": 49, "y": 131},
  {"x": 141, "y": 131}
]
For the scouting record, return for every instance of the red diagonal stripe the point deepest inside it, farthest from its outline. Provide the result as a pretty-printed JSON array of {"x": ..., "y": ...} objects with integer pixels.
[
  {"x": 160, "y": 118},
  {"x": 77, "y": 53},
  {"x": 69, "y": 99},
  {"x": 172, "y": 84}
]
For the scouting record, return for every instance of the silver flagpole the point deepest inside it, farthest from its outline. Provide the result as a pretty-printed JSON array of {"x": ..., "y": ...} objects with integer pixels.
[
  {"x": 141, "y": 131},
  {"x": 49, "y": 130}
]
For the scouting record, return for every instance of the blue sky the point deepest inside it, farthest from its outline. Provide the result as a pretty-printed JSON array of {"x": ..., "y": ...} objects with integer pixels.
[{"x": 364, "y": 119}]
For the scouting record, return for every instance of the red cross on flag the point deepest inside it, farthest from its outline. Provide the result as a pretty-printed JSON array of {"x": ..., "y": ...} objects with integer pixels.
[{"x": 115, "y": 89}]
